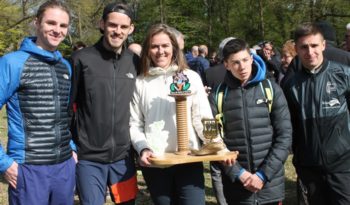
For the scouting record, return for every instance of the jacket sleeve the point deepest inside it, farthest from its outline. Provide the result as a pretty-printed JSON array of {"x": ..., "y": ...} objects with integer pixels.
[
  {"x": 75, "y": 80},
  {"x": 76, "y": 70},
  {"x": 137, "y": 123},
  {"x": 282, "y": 135},
  {"x": 9, "y": 82},
  {"x": 231, "y": 171},
  {"x": 200, "y": 106}
]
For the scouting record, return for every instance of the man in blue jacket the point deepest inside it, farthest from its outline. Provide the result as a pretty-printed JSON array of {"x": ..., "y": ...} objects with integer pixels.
[
  {"x": 317, "y": 96},
  {"x": 35, "y": 86}
]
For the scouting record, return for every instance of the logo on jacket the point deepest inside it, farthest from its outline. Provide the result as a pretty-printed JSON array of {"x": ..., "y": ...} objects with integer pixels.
[
  {"x": 334, "y": 103},
  {"x": 129, "y": 75},
  {"x": 331, "y": 87},
  {"x": 65, "y": 76}
]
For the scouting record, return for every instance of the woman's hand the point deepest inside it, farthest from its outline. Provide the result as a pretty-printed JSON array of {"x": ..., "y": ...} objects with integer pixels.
[{"x": 144, "y": 157}]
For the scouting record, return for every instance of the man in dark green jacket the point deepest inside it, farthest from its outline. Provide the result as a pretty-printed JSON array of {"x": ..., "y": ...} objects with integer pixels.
[{"x": 317, "y": 95}]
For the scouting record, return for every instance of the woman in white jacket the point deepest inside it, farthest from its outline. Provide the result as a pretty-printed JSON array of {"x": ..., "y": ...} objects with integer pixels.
[{"x": 153, "y": 120}]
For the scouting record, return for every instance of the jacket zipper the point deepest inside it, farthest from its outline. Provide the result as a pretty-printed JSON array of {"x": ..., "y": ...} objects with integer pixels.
[
  {"x": 316, "y": 102},
  {"x": 250, "y": 158},
  {"x": 57, "y": 110},
  {"x": 250, "y": 165},
  {"x": 113, "y": 106}
]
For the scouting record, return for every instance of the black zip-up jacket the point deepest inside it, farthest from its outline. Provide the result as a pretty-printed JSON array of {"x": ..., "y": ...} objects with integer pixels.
[
  {"x": 262, "y": 139},
  {"x": 103, "y": 83},
  {"x": 320, "y": 117}
]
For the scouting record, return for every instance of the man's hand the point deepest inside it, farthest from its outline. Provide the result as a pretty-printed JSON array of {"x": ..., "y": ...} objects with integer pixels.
[
  {"x": 254, "y": 183},
  {"x": 245, "y": 176},
  {"x": 144, "y": 158},
  {"x": 207, "y": 89},
  {"x": 11, "y": 175},
  {"x": 75, "y": 156}
]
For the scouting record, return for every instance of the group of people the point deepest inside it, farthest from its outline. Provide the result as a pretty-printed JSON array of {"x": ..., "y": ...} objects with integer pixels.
[{"x": 82, "y": 122}]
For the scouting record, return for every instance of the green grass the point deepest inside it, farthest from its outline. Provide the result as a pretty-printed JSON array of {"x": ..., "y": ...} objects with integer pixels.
[{"x": 143, "y": 196}]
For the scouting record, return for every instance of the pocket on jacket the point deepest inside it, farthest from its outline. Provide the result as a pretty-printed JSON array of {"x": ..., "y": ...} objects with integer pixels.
[{"x": 336, "y": 147}]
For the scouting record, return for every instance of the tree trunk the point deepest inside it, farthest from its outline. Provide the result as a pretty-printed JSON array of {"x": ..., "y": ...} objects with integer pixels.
[
  {"x": 261, "y": 21},
  {"x": 161, "y": 11}
]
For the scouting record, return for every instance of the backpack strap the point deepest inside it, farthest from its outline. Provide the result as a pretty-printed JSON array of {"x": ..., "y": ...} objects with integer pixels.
[
  {"x": 266, "y": 88},
  {"x": 220, "y": 95}
]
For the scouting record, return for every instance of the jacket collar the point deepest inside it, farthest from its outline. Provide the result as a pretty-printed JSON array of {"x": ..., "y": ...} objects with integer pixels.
[
  {"x": 108, "y": 54},
  {"x": 161, "y": 71},
  {"x": 28, "y": 45}
]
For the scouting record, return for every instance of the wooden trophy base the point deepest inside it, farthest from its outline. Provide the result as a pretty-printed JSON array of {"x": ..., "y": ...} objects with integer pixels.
[{"x": 169, "y": 159}]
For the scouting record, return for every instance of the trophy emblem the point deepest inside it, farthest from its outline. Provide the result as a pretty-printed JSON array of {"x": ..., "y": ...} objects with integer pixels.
[
  {"x": 210, "y": 129},
  {"x": 210, "y": 132}
]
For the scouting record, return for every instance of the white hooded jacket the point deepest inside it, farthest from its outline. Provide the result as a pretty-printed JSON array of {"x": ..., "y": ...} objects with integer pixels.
[{"x": 153, "y": 111}]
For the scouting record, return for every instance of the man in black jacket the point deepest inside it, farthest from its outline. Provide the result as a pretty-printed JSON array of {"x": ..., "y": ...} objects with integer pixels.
[
  {"x": 103, "y": 83},
  {"x": 317, "y": 96},
  {"x": 331, "y": 52}
]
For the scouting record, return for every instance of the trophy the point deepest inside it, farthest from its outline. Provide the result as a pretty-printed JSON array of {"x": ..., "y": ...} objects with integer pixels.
[
  {"x": 179, "y": 89},
  {"x": 210, "y": 132},
  {"x": 213, "y": 149}
]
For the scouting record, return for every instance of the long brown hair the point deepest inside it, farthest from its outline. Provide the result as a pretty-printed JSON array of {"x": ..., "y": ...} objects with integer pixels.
[{"x": 177, "y": 58}]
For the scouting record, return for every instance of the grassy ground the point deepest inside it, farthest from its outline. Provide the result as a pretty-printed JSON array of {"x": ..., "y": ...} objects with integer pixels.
[{"x": 143, "y": 196}]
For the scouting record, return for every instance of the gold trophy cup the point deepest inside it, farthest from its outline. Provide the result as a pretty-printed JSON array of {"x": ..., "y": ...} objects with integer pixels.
[{"x": 210, "y": 132}]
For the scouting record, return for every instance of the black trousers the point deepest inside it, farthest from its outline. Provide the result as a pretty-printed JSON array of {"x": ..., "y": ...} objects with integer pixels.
[
  {"x": 179, "y": 184},
  {"x": 325, "y": 188}
]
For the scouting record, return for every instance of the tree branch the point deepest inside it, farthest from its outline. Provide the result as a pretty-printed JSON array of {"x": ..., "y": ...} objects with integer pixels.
[
  {"x": 16, "y": 23},
  {"x": 333, "y": 15}
]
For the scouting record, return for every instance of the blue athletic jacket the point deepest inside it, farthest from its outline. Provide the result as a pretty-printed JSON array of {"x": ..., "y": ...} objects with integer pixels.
[{"x": 35, "y": 86}]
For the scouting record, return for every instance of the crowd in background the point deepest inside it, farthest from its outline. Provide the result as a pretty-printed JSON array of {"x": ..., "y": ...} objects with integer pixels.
[{"x": 84, "y": 123}]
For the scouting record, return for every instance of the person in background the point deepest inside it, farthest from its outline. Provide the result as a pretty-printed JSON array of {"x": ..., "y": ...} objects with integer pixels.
[
  {"x": 103, "y": 83},
  {"x": 317, "y": 97},
  {"x": 135, "y": 48},
  {"x": 213, "y": 60},
  {"x": 79, "y": 45},
  {"x": 288, "y": 53},
  {"x": 35, "y": 86},
  {"x": 332, "y": 52},
  {"x": 153, "y": 119},
  {"x": 200, "y": 64},
  {"x": 215, "y": 74},
  {"x": 179, "y": 37},
  {"x": 271, "y": 57},
  {"x": 256, "y": 126},
  {"x": 193, "y": 54}
]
